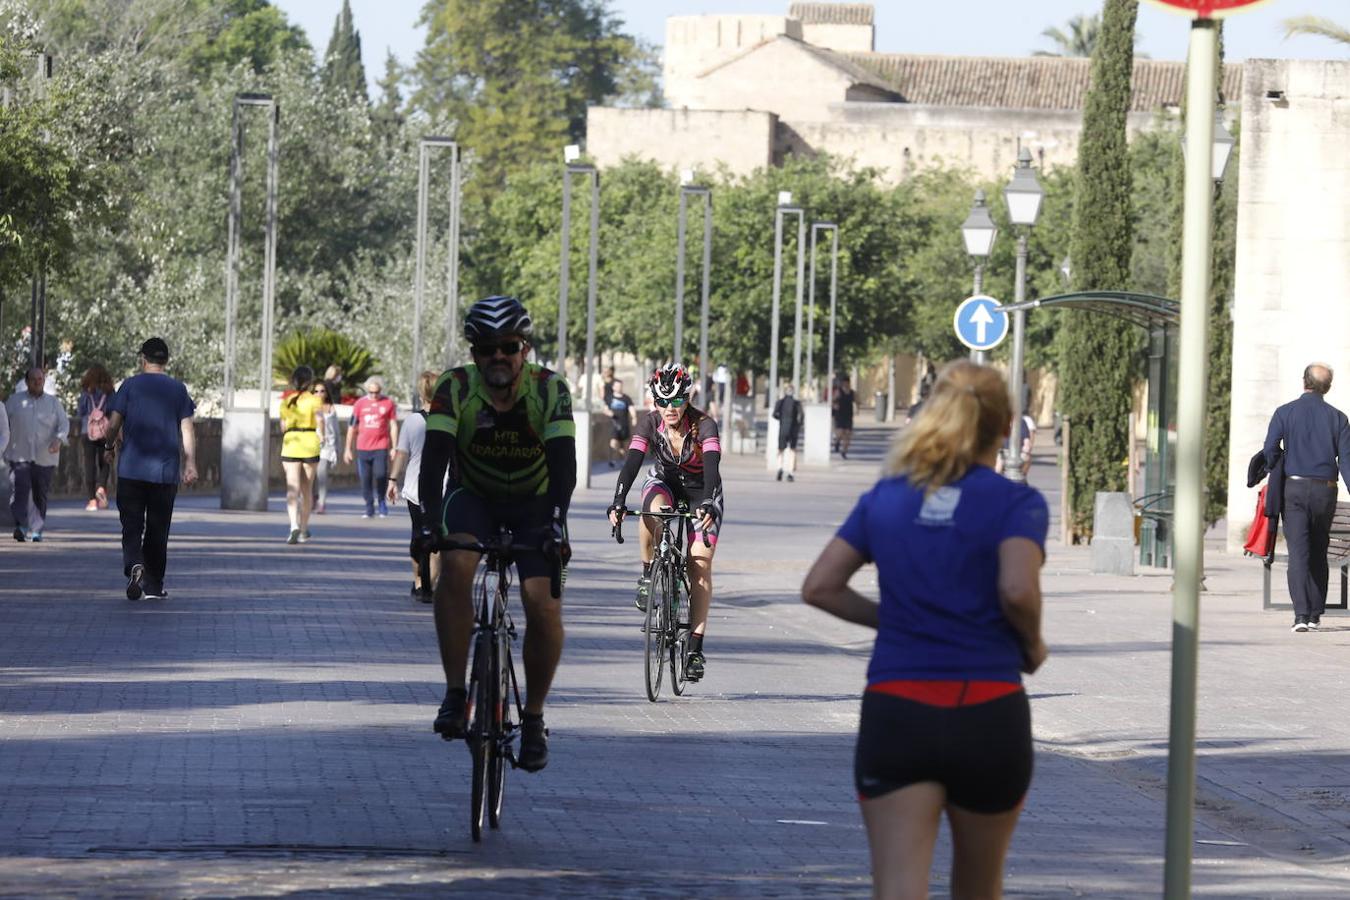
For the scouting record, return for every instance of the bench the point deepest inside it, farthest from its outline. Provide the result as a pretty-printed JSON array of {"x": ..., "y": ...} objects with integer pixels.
[{"x": 1338, "y": 555}]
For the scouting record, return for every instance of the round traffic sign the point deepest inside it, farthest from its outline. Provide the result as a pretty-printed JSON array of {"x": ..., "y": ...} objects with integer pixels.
[
  {"x": 1207, "y": 9},
  {"x": 980, "y": 322}
]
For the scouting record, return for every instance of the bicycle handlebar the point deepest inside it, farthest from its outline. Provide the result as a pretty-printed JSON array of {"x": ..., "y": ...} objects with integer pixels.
[
  {"x": 616, "y": 531},
  {"x": 494, "y": 545}
]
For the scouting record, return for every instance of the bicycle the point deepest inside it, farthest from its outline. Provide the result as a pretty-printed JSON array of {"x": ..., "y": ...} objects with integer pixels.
[
  {"x": 667, "y": 638},
  {"x": 493, "y": 724}
]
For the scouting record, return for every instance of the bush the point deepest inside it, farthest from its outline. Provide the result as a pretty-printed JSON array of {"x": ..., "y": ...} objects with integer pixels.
[{"x": 320, "y": 349}]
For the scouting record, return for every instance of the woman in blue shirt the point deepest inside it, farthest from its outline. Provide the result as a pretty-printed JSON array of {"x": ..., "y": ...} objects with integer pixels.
[{"x": 945, "y": 724}]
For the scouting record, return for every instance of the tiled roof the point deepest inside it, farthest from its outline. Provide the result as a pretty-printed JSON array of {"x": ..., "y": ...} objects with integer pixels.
[
  {"x": 832, "y": 13},
  {"x": 1038, "y": 82}
]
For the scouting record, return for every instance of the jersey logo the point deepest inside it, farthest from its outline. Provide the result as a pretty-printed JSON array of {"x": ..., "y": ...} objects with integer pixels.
[
  {"x": 484, "y": 419},
  {"x": 939, "y": 507}
]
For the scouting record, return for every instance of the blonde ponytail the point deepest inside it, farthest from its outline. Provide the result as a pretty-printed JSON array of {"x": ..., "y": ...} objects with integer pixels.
[{"x": 967, "y": 413}]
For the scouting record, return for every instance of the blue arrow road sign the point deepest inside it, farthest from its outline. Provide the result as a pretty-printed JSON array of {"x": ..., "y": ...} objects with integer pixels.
[{"x": 981, "y": 323}]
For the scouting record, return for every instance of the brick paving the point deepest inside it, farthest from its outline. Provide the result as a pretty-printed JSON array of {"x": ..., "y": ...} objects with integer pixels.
[{"x": 267, "y": 730}]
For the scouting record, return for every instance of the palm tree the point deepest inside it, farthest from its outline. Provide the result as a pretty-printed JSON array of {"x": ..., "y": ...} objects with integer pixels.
[
  {"x": 1316, "y": 25},
  {"x": 1080, "y": 40}
]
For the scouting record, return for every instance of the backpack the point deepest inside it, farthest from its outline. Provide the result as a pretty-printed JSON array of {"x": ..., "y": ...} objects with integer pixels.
[{"x": 97, "y": 429}]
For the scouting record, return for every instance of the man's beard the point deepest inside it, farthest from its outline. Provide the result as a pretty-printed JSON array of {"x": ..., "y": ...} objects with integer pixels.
[{"x": 498, "y": 375}]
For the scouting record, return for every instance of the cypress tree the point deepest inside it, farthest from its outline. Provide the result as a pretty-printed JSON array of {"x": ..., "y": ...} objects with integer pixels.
[
  {"x": 387, "y": 116},
  {"x": 342, "y": 68},
  {"x": 1099, "y": 354}
]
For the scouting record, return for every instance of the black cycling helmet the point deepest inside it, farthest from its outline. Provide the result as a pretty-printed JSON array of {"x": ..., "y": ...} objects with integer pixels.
[
  {"x": 670, "y": 381},
  {"x": 497, "y": 317}
]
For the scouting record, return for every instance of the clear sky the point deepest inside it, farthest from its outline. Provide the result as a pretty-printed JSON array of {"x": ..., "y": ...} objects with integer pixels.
[{"x": 970, "y": 28}]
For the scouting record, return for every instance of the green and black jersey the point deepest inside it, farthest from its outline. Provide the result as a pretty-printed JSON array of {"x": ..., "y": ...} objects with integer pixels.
[{"x": 501, "y": 454}]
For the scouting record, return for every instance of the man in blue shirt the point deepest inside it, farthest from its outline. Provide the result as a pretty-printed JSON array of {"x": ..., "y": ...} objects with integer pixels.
[
  {"x": 152, "y": 415},
  {"x": 1316, "y": 444}
]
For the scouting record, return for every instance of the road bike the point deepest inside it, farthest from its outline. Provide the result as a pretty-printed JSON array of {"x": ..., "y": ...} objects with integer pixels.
[
  {"x": 494, "y": 708},
  {"x": 667, "y": 638}
]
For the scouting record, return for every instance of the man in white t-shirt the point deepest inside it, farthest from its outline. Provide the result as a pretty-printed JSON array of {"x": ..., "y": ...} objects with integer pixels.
[{"x": 407, "y": 468}]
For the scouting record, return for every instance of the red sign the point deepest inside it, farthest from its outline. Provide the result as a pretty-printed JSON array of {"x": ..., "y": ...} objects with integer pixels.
[{"x": 1207, "y": 9}]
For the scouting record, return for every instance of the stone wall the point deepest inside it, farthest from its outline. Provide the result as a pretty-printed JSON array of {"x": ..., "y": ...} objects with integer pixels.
[
  {"x": 679, "y": 139},
  {"x": 1292, "y": 295},
  {"x": 695, "y": 44}
]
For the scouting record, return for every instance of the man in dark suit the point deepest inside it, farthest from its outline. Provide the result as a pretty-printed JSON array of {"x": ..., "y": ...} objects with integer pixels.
[{"x": 1316, "y": 442}]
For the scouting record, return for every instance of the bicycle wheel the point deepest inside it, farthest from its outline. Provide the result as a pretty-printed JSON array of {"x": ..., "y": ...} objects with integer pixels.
[
  {"x": 656, "y": 630},
  {"x": 479, "y": 731},
  {"x": 497, "y": 761},
  {"x": 678, "y": 639}
]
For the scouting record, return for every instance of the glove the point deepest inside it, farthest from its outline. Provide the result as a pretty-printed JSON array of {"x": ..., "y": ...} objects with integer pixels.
[
  {"x": 615, "y": 511},
  {"x": 707, "y": 509},
  {"x": 424, "y": 542},
  {"x": 558, "y": 543}
]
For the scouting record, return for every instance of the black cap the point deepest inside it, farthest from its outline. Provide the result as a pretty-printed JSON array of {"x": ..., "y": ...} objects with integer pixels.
[{"x": 155, "y": 350}]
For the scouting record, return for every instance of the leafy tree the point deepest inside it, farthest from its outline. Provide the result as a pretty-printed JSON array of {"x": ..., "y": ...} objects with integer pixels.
[
  {"x": 515, "y": 76},
  {"x": 1098, "y": 354},
  {"x": 342, "y": 68},
  {"x": 1316, "y": 26}
]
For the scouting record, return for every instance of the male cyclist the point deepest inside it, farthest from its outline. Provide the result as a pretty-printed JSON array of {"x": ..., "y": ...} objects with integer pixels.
[
  {"x": 503, "y": 429},
  {"x": 687, "y": 453}
]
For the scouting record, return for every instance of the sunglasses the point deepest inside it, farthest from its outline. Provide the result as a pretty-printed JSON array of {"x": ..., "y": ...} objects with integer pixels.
[
  {"x": 506, "y": 348},
  {"x": 675, "y": 402}
]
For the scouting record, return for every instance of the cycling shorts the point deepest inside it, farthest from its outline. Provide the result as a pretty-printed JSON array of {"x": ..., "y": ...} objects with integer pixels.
[
  {"x": 657, "y": 492},
  {"x": 465, "y": 512},
  {"x": 980, "y": 753}
]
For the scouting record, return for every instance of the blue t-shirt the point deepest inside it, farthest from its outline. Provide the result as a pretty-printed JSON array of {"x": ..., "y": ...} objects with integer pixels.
[
  {"x": 152, "y": 404},
  {"x": 937, "y": 566}
]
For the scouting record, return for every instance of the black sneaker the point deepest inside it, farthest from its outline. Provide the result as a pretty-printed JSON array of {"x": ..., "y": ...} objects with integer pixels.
[
  {"x": 533, "y": 744},
  {"x": 19, "y": 535},
  {"x": 780, "y": 475},
  {"x": 156, "y": 593},
  {"x": 450, "y": 719},
  {"x": 134, "y": 589},
  {"x": 1300, "y": 624},
  {"x": 790, "y": 478},
  {"x": 694, "y": 666},
  {"x": 1315, "y": 622}
]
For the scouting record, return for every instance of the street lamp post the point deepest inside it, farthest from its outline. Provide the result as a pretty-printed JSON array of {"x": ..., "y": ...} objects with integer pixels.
[
  {"x": 1023, "y": 195},
  {"x": 978, "y": 231},
  {"x": 833, "y": 229},
  {"x": 425, "y": 148},
  {"x": 571, "y": 167},
  {"x": 688, "y": 189}
]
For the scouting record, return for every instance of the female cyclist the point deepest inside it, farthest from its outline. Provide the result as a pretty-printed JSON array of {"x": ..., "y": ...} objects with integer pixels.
[
  {"x": 687, "y": 453},
  {"x": 945, "y": 725}
]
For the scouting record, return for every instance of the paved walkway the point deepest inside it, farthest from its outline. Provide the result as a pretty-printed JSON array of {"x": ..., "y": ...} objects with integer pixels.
[{"x": 267, "y": 731}]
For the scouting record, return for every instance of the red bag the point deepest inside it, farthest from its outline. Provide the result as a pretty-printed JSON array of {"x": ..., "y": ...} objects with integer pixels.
[{"x": 1261, "y": 535}]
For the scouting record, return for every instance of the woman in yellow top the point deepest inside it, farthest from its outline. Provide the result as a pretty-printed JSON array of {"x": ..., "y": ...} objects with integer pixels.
[{"x": 301, "y": 413}]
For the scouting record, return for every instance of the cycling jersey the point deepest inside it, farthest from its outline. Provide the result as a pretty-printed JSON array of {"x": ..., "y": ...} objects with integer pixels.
[
  {"x": 694, "y": 473},
  {"x": 501, "y": 455}
]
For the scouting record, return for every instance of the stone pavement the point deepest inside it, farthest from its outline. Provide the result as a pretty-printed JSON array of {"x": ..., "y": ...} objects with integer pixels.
[{"x": 266, "y": 731}]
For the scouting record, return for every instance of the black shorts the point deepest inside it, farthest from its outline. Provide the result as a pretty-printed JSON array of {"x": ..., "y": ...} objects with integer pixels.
[
  {"x": 657, "y": 492},
  {"x": 788, "y": 439},
  {"x": 619, "y": 429},
  {"x": 980, "y": 754},
  {"x": 300, "y": 459},
  {"x": 464, "y": 512}
]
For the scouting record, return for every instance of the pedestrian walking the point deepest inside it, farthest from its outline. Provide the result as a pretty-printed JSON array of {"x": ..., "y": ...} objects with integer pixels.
[
  {"x": 332, "y": 380},
  {"x": 328, "y": 444},
  {"x": 38, "y": 426},
  {"x": 96, "y": 392},
  {"x": 842, "y": 407},
  {"x": 945, "y": 725},
  {"x": 301, "y": 416},
  {"x": 788, "y": 412},
  {"x": 1314, "y": 437},
  {"x": 408, "y": 467},
  {"x": 152, "y": 416},
  {"x": 621, "y": 417},
  {"x": 374, "y": 431}
]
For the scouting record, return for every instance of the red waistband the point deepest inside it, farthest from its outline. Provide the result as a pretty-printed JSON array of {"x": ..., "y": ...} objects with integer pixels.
[{"x": 946, "y": 693}]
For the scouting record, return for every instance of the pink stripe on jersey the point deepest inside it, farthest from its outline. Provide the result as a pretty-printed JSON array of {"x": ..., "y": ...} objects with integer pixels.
[
  {"x": 638, "y": 443},
  {"x": 712, "y": 445}
]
